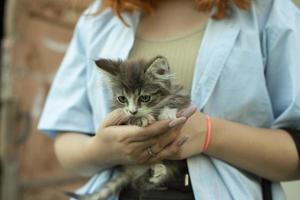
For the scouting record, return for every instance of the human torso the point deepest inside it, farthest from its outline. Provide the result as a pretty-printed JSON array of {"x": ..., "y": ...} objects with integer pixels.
[
  {"x": 175, "y": 31},
  {"x": 226, "y": 51}
]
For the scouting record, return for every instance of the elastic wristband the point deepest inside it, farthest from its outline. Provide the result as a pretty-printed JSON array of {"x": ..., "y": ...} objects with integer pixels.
[{"x": 208, "y": 133}]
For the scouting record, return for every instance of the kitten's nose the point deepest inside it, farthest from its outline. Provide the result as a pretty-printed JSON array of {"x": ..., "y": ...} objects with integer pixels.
[{"x": 133, "y": 112}]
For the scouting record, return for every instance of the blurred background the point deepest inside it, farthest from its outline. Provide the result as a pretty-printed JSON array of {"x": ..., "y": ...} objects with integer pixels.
[{"x": 34, "y": 36}]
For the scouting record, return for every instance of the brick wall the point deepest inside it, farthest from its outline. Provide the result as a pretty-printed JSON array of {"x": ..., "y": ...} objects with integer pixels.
[{"x": 44, "y": 29}]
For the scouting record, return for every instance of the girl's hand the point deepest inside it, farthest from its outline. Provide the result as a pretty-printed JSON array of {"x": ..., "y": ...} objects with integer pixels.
[
  {"x": 189, "y": 141},
  {"x": 125, "y": 144}
]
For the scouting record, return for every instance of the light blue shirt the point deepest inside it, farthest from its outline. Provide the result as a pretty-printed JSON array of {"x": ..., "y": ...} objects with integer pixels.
[{"x": 247, "y": 70}]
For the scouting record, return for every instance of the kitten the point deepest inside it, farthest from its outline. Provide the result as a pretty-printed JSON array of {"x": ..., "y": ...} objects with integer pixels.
[{"x": 147, "y": 92}]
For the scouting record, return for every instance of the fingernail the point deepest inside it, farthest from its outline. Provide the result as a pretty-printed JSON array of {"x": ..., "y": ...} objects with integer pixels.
[
  {"x": 187, "y": 112},
  {"x": 182, "y": 141},
  {"x": 177, "y": 122}
]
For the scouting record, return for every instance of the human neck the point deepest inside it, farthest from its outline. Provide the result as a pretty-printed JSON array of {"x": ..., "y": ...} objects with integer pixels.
[{"x": 170, "y": 18}]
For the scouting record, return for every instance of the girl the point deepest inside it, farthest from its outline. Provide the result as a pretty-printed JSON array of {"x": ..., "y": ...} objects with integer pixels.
[{"x": 239, "y": 60}]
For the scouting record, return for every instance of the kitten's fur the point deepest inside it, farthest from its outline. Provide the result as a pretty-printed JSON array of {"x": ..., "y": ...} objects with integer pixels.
[{"x": 147, "y": 92}]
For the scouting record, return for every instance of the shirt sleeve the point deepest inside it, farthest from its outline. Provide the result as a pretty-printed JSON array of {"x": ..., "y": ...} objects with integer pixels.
[
  {"x": 67, "y": 106},
  {"x": 283, "y": 71}
]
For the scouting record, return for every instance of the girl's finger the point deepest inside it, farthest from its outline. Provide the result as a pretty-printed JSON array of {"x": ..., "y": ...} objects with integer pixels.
[
  {"x": 171, "y": 152},
  {"x": 161, "y": 127},
  {"x": 116, "y": 117},
  {"x": 165, "y": 140},
  {"x": 187, "y": 112},
  {"x": 151, "y": 131},
  {"x": 159, "y": 142},
  {"x": 144, "y": 157},
  {"x": 139, "y": 134}
]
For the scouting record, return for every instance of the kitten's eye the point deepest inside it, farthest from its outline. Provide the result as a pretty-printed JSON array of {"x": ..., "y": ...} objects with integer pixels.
[
  {"x": 144, "y": 98},
  {"x": 122, "y": 99}
]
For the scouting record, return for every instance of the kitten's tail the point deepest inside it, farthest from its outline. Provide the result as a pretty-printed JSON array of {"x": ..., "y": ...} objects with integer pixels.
[{"x": 110, "y": 188}]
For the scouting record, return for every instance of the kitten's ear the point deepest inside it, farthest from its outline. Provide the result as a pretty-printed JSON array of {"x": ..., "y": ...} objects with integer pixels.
[
  {"x": 110, "y": 66},
  {"x": 159, "y": 66}
]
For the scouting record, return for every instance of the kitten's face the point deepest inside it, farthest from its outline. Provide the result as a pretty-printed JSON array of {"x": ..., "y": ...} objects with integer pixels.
[
  {"x": 138, "y": 87},
  {"x": 138, "y": 102}
]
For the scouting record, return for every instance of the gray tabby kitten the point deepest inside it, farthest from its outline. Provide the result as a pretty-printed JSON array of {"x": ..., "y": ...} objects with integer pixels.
[{"x": 147, "y": 92}]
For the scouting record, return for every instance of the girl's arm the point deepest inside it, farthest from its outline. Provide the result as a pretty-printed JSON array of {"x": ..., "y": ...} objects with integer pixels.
[
  {"x": 75, "y": 154},
  {"x": 113, "y": 144},
  {"x": 268, "y": 153}
]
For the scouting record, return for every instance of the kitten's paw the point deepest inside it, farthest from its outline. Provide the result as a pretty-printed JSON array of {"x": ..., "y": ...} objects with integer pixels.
[
  {"x": 159, "y": 174},
  {"x": 168, "y": 113},
  {"x": 141, "y": 121}
]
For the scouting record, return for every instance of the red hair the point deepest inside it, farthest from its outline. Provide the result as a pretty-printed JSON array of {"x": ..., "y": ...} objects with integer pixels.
[{"x": 148, "y": 6}]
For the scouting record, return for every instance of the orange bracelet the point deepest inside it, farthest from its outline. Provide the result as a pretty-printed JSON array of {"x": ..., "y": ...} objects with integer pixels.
[{"x": 208, "y": 133}]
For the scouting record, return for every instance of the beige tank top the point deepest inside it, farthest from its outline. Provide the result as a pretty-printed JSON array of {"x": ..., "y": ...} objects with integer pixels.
[{"x": 181, "y": 53}]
